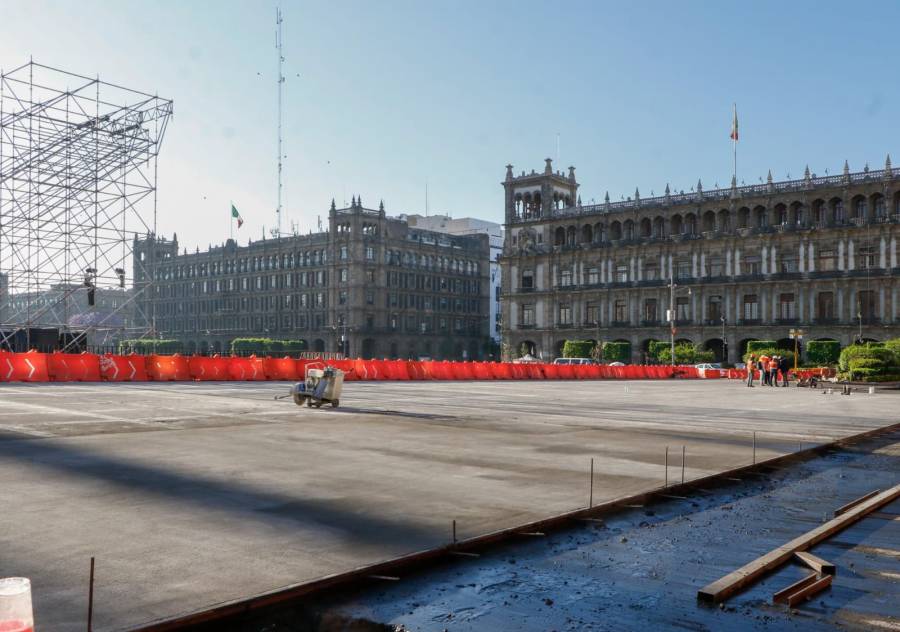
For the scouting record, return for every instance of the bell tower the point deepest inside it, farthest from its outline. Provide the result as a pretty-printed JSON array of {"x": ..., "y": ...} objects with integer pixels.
[{"x": 536, "y": 195}]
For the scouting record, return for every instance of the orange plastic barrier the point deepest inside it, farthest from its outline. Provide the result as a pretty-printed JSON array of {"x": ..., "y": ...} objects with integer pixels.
[
  {"x": 280, "y": 368},
  {"x": 247, "y": 369},
  {"x": 23, "y": 367},
  {"x": 414, "y": 370},
  {"x": 123, "y": 368},
  {"x": 205, "y": 369},
  {"x": 519, "y": 372},
  {"x": 73, "y": 367},
  {"x": 165, "y": 368}
]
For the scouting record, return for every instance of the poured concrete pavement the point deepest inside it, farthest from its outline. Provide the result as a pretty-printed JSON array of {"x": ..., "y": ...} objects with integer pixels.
[{"x": 193, "y": 494}]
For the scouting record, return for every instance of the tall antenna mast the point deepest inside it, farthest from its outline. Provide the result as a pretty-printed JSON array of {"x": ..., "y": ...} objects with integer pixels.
[{"x": 278, "y": 42}]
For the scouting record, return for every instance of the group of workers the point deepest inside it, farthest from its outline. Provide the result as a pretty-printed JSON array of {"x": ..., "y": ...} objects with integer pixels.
[{"x": 770, "y": 368}]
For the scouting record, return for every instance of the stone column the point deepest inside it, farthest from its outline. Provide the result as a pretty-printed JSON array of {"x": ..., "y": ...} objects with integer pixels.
[
  {"x": 801, "y": 253},
  {"x": 840, "y": 256},
  {"x": 737, "y": 262},
  {"x": 812, "y": 260},
  {"x": 893, "y": 256},
  {"x": 839, "y": 312},
  {"x": 702, "y": 264},
  {"x": 851, "y": 260},
  {"x": 728, "y": 262},
  {"x": 694, "y": 265},
  {"x": 773, "y": 268},
  {"x": 882, "y": 253},
  {"x": 764, "y": 260}
]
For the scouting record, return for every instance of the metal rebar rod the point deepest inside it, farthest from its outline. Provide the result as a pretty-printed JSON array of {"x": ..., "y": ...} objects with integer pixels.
[
  {"x": 90, "y": 615},
  {"x": 666, "y": 484},
  {"x": 682, "y": 464},
  {"x": 591, "y": 497},
  {"x": 754, "y": 447}
]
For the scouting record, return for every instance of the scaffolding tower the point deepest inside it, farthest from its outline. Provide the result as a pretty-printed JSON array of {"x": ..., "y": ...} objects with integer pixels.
[{"x": 78, "y": 170}]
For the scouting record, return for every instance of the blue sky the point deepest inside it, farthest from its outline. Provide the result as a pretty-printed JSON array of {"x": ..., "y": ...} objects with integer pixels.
[{"x": 393, "y": 94}]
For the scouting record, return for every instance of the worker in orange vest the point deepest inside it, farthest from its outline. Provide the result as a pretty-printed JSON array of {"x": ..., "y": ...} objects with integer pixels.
[
  {"x": 751, "y": 368},
  {"x": 763, "y": 365},
  {"x": 773, "y": 371}
]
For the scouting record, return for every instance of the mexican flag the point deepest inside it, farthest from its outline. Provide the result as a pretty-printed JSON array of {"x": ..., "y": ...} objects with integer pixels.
[
  {"x": 236, "y": 215},
  {"x": 734, "y": 125}
]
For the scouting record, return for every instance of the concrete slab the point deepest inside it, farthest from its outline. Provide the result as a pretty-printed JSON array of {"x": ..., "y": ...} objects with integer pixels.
[{"x": 193, "y": 494}]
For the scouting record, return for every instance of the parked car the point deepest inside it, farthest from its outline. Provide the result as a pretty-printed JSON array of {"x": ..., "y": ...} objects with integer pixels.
[
  {"x": 573, "y": 361},
  {"x": 616, "y": 364},
  {"x": 708, "y": 365}
]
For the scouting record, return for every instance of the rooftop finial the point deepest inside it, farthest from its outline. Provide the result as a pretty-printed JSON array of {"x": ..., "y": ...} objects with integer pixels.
[
  {"x": 668, "y": 191},
  {"x": 769, "y": 177},
  {"x": 381, "y": 206},
  {"x": 579, "y": 200},
  {"x": 887, "y": 163},
  {"x": 333, "y": 207},
  {"x": 699, "y": 186},
  {"x": 352, "y": 201},
  {"x": 806, "y": 174},
  {"x": 572, "y": 173},
  {"x": 637, "y": 195},
  {"x": 733, "y": 182},
  {"x": 606, "y": 199},
  {"x": 509, "y": 173},
  {"x": 359, "y": 201},
  {"x": 846, "y": 168},
  {"x": 548, "y": 167}
]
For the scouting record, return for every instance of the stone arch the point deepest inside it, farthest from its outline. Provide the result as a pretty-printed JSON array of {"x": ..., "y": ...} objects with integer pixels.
[
  {"x": 369, "y": 348},
  {"x": 709, "y": 222},
  {"x": 820, "y": 213},
  {"x": 659, "y": 227},
  {"x": 796, "y": 214},
  {"x": 780, "y": 215},
  {"x": 683, "y": 341},
  {"x": 527, "y": 347},
  {"x": 760, "y": 217},
  {"x": 743, "y": 217},
  {"x": 570, "y": 236},
  {"x": 724, "y": 220},
  {"x": 559, "y": 238},
  {"x": 837, "y": 211},
  {"x": 645, "y": 350},
  {"x": 318, "y": 345},
  {"x": 896, "y": 203},
  {"x": 615, "y": 230},
  {"x": 598, "y": 232},
  {"x": 646, "y": 228},
  {"x": 690, "y": 224},
  {"x": 859, "y": 207},
  {"x": 587, "y": 234},
  {"x": 628, "y": 229},
  {"x": 878, "y": 207},
  {"x": 785, "y": 343},
  {"x": 717, "y": 346},
  {"x": 677, "y": 224},
  {"x": 217, "y": 346}
]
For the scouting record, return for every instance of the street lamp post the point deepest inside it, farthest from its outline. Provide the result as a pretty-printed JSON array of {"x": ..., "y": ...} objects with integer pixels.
[{"x": 724, "y": 340}]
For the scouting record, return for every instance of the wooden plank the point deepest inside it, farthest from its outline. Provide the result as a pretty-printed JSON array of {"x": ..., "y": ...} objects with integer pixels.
[
  {"x": 724, "y": 587},
  {"x": 781, "y": 595},
  {"x": 816, "y": 563},
  {"x": 807, "y": 593},
  {"x": 854, "y": 503}
]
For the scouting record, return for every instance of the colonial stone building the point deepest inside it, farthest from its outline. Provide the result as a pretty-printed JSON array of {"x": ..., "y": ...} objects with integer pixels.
[
  {"x": 369, "y": 286},
  {"x": 733, "y": 265}
]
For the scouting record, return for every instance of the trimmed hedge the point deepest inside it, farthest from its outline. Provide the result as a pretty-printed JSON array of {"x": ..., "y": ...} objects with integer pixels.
[
  {"x": 870, "y": 362},
  {"x": 147, "y": 346},
  {"x": 656, "y": 347},
  {"x": 685, "y": 354},
  {"x": 758, "y": 346},
  {"x": 266, "y": 345},
  {"x": 823, "y": 352},
  {"x": 577, "y": 349},
  {"x": 617, "y": 352}
]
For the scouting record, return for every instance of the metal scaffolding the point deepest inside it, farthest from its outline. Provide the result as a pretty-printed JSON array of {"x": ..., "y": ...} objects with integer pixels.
[{"x": 78, "y": 168}]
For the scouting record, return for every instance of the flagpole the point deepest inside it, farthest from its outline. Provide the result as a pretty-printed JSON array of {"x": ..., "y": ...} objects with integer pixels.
[
  {"x": 230, "y": 223},
  {"x": 734, "y": 143}
]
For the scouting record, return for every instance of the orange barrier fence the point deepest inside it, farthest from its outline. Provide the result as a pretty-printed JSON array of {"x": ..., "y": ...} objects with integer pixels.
[{"x": 87, "y": 367}]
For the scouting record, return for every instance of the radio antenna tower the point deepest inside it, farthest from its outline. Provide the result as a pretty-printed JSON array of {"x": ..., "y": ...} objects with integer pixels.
[{"x": 278, "y": 44}]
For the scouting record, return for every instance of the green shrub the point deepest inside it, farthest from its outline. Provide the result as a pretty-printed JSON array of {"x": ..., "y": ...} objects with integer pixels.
[
  {"x": 685, "y": 354},
  {"x": 823, "y": 352},
  {"x": 617, "y": 352},
  {"x": 760, "y": 346},
  {"x": 656, "y": 347},
  {"x": 893, "y": 345},
  {"x": 578, "y": 349},
  {"x": 294, "y": 346},
  {"x": 148, "y": 346},
  {"x": 250, "y": 345},
  {"x": 867, "y": 350}
]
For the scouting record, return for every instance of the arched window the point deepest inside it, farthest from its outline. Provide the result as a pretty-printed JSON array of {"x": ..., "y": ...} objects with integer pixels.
[
  {"x": 559, "y": 237},
  {"x": 860, "y": 208}
]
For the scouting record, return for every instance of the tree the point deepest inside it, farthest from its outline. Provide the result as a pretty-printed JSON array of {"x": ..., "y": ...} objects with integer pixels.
[
  {"x": 685, "y": 354},
  {"x": 823, "y": 352},
  {"x": 617, "y": 352},
  {"x": 577, "y": 348}
]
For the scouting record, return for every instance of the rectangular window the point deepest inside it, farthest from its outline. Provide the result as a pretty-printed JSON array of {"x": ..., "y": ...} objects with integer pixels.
[
  {"x": 650, "y": 313},
  {"x": 752, "y": 266},
  {"x": 370, "y": 297},
  {"x": 825, "y": 306},
  {"x": 788, "y": 264},
  {"x": 786, "y": 306},
  {"x": 751, "y": 307},
  {"x": 593, "y": 276},
  {"x": 682, "y": 308},
  {"x": 715, "y": 267},
  {"x": 621, "y": 274},
  {"x": 343, "y": 253},
  {"x": 591, "y": 314},
  {"x": 651, "y": 272},
  {"x": 565, "y": 277},
  {"x": 683, "y": 270},
  {"x": 527, "y": 280},
  {"x": 370, "y": 276},
  {"x": 370, "y": 253},
  {"x": 621, "y": 311},
  {"x": 342, "y": 297},
  {"x": 866, "y": 258},
  {"x": 528, "y": 314},
  {"x": 565, "y": 314},
  {"x": 827, "y": 260},
  {"x": 344, "y": 275},
  {"x": 714, "y": 309},
  {"x": 865, "y": 304}
]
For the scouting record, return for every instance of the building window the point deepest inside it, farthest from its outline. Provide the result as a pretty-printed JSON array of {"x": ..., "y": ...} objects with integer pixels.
[
  {"x": 527, "y": 280},
  {"x": 825, "y": 306},
  {"x": 593, "y": 276},
  {"x": 650, "y": 311},
  {"x": 370, "y": 253},
  {"x": 838, "y": 212},
  {"x": 651, "y": 272},
  {"x": 827, "y": 260},
  {"x": 343, "y": 253},
  {"x": 866, "y": 257},
  {"x": 344, "y": 275},
  {"x": 682, "y": 308},
  {"x": 786, "y": 307},
  {"x": 683, "y": 270},
  {"x": 565, "y": 314},
  {"x": 591, "y": 314},
  {"x": 621, "y": 311},
  {"x": 751, "y": 307},
  {"x": 370, "y": 297},
  {"x": 715, "y": 267},
  {"x": 788, "y": 264},
  {"x": 879, "y": 208},
  {"x": 622, "y": 274},
  {"x": 865, "y": 304},
  {"x": 565, "y": 277},
  {"x": 528, "y": 315},
  {"x": 753, "y": 266},
  {"x": 714, "y": 308}
]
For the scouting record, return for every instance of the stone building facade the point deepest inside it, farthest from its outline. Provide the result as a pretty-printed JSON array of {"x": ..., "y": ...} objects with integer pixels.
[
  {"x": 736, "y": 264},
  {"x": 369, "y": 286}
]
